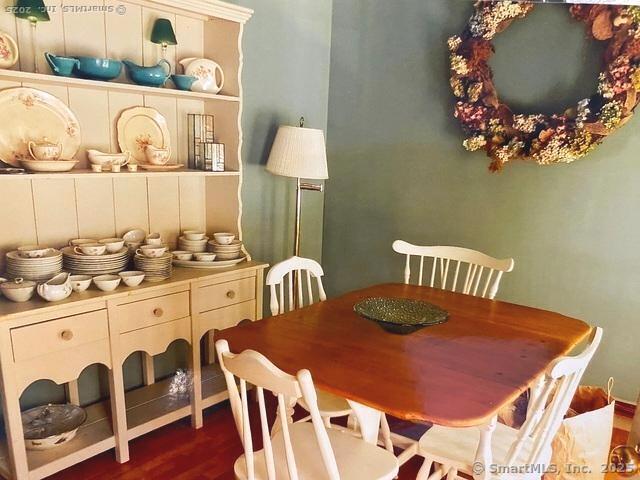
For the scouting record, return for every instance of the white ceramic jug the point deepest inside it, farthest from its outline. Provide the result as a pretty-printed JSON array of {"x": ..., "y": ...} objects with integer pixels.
[
  {"x": 210, "y": 77},
  {"x": 56, "y": 289}
]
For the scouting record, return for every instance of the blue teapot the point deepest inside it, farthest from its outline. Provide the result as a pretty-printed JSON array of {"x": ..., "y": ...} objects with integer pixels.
[{"x": 155, "y": 76}]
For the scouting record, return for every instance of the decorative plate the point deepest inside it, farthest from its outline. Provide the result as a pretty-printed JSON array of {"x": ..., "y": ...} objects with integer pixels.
[
  {"x": 207, "y": 73},
  {"x": 49, "y": 166},
  {"x": 8, "y": 51},
  {"x": 401, "y": 315},
  {"x": 35, "y": 115},
  {"x": 139, "y": 127},
  {"x": 161, "y": 168},
  {"x": 49, "y": 426},
  {"x": 214, "y": 264}
]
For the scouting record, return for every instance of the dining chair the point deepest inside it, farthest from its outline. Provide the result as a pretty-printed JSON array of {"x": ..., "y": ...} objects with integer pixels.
[
  {"x": 281, "y": 277},
  {"x": 457, "y": 450},
  {"x": 301, "y": 450},
  {"x": 457, "y": 269}
]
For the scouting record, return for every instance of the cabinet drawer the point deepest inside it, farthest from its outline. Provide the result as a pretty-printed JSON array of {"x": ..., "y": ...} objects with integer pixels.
[
  {"x": 57, "y": 335},
  {"x": 226, "y": 317},
  {"x": 228, "y": 293},
  {"x": 155, "y": 340},
  {"x": 152, "y": 311}
]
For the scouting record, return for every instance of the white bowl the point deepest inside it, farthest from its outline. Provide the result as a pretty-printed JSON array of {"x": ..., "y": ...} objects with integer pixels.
[
  {"x": 113, "y": 244},
  {"x": 205, "y": 257},
  {"x": 224, "y": 238},
  {"x": 107, "y": 283},
  {"x": 182, "y": 255},
  {"x": 90, "y": 249},
  {"x": 80, "y": 283},
  {"x": 134, "y": 236},
  {"x": 80, "y": 241},
  {"x": 153, "y": 239},
  {"x": 33, "y": 251},
  {"x": 193, "y": 234},
  {"x": 132, "y": 278},
  {"x": 18, "y": 290}
]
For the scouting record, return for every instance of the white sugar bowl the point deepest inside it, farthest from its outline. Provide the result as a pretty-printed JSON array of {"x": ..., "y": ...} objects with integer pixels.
[{"x": 56, "y": 289}]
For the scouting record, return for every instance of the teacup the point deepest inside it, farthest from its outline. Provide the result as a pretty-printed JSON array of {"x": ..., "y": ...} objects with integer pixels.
[
  {"x": 205, "y": 257},
  {"x": 113, "y": 244},
  {"x": 132, "y": 278},
  {"x": 151, "y": 251},
  {"x": 107, "y": 283},
  {"x": 45, "y": 150},
  {"x": 182, "y": 255},
  {"x": 33, "y": 251},
  {"x": 92, "y": 249},
  {"x": 153, "y": 239},
  {"x": 79, "y": 241},
  {"x": 157, "y": 155}
]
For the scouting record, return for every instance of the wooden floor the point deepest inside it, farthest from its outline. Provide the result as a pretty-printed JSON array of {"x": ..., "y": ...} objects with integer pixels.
[{"x": 179, "y": 452}]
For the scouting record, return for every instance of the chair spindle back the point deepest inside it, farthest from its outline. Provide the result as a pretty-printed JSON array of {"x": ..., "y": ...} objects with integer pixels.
[{"x": 281, "y": 280}]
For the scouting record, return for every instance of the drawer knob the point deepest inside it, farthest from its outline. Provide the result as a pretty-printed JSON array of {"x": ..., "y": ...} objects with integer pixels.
[
  {"x": 66, "y": 335},
  {"x": 231, "y": 294},
  {"x": 158, "y": 312}
]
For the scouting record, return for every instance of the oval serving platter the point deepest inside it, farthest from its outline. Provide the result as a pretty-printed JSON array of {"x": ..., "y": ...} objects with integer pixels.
[{"x": 400, "y": 315}]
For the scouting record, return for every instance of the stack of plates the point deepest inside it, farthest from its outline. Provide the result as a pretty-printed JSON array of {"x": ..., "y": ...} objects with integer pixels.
[
  {"x": 36, "y": 269},
  {"x": 155, "y": 269},
  {"x": 226, "y": 252},
  {"x": 195, "y": 246},
  {"x": 95, "y": 264}
]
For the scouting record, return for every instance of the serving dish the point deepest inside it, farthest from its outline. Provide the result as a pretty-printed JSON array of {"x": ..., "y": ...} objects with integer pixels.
[
  {"x": 19, "y": 290},
  {"x": 49, "y": 166},
  {"x": 214, "y": 264},
  {"x": 50, "y": 426},
  {"x": 93, "y": 68},
  {"x": 154, "y": 76},
  {"x": 400, "y": 315},
  {"x": 61, "y": 66},
  {"x": 141, "y": 126},
  {"x": 41, "y": 115},
  {"x": 56, "y": 289}
]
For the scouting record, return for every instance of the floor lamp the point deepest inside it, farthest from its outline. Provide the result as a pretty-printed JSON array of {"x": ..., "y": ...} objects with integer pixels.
[{"x": 299, "y": 152}]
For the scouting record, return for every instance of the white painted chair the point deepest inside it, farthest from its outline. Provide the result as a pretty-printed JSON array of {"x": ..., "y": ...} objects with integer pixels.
[
  {"x": 457, "y": 450},
  {"x": 303, "y": 450},
  {"x": 280, "y": 280},
  {"x": 456, "y": 269}
]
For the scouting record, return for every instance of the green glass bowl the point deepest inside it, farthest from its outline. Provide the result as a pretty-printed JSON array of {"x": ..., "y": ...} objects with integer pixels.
[{"x": 401, "y": 315}]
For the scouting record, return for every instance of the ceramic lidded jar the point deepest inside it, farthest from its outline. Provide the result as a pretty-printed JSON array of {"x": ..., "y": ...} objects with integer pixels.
[{"x": 18, "y": 290}]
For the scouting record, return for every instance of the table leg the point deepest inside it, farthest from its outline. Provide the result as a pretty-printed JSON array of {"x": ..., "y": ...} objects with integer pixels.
[
  {"x": 484, "y": 455},
  {"x": 368, "y": 420}
]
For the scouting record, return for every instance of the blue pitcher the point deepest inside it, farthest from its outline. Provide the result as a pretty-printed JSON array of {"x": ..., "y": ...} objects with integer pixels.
[
  {"x": 155, "y": 76},
  {"x": 62, "y": 66}
]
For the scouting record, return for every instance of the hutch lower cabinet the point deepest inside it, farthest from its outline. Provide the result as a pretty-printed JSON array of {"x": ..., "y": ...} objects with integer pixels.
[{"x": 56, "y": 341}]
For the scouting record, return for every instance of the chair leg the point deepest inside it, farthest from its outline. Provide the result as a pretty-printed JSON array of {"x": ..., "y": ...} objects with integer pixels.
[
  {"x": 423, "y": 473},
  {"x": 452, "y": 474},
  {"x": 327, "y": 422},
  {"x": 386, "y": 433}
]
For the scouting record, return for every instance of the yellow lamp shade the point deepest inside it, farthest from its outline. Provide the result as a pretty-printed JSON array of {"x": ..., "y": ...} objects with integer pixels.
[{"x": 298, "y": 152}]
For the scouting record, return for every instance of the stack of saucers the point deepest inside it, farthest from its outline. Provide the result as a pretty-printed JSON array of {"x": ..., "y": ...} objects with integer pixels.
[
  {"x": 80, "y": 264},
  {"x": 194, "y": 246},
  {"x": 37, "y": 269},
  {"x": 226, "y": 252},
  {"x": 155, "y": 269}
]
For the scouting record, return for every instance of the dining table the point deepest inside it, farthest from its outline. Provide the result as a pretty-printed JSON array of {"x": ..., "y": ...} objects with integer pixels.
[{"x": 459, "y": 373}]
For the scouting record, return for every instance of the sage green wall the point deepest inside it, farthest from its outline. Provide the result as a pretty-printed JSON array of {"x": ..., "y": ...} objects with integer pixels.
[
  {"x": 286, "y": 75},
  {"x": 398, "y": 170}
]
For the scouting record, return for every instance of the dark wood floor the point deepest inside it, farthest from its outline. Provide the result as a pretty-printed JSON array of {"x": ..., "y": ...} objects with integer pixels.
[{"x": 178, "y": 452}]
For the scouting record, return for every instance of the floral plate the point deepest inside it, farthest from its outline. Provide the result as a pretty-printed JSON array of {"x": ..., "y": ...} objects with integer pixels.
[{"x": 139, "y": 127}]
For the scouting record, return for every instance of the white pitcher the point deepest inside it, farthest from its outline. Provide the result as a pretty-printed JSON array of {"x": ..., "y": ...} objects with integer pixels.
[{"x": 209, "y": 74}]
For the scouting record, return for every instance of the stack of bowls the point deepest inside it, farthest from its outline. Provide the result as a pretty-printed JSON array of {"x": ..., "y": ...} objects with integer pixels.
[
  {"x": 34, "y": 263},
  {"x": 225, "y": 247},
  {"x": 193, "y": 241},
  {"x": 155, "y": 269}
]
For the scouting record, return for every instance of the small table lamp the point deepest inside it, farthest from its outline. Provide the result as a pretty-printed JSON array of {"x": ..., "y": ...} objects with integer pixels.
[
  {"x": 299, "y": 152},
  {"x": 34, "y": 11},
  {"x": 162, "y": 34}
]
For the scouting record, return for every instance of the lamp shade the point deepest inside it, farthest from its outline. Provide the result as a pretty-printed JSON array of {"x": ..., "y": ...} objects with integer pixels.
[
  {"x": 162, "y": 32},
  {"x": 32, "y": 10},
  {"x": 298, "y": 152}
]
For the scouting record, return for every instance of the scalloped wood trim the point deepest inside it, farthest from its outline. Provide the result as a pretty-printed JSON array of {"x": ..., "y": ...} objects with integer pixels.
[{"x": 203, "y": 8}]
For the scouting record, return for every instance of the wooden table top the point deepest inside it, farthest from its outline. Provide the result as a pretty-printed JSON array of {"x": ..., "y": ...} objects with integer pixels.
[{"x": 459, "y": 373}]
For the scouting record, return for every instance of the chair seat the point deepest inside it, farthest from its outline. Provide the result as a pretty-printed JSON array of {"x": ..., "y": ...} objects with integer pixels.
[
  {"x": 330, "y": 405},
  {"x": 356, "y": 459},
  {"x": 456, "y": 447}
]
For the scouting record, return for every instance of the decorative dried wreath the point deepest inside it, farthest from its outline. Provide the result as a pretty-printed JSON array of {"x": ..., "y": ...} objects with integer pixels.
[{"x": 505, "y": 136}]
